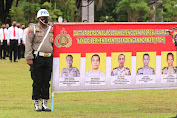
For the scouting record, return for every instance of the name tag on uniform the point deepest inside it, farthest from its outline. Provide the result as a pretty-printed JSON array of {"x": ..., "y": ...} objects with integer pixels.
[{"x": 39, "y": 34}]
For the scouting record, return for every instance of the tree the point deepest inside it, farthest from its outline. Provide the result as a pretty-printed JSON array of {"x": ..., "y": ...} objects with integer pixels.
[
  {"x": 26, "y": 11},
  {"x": 5, "y": 6},
  {"x": 106, "y": 10},
  {"x": 136, "y": 10},
  {"x": 17, "y": 11},
  {"x": 106, "y": 18},
  {"x": 54, "y": 13},
  {"x": 169, "y": 10},
  {"x": 68, "y": 8}
]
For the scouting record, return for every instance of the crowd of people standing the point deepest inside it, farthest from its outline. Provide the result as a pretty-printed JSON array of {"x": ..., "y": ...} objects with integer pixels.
[{"x": 12, "y": 41}]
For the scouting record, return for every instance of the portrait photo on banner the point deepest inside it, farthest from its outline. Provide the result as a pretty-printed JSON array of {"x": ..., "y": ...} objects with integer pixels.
[
  {"x": 169, "y": 62},
  {"x": 121, "y": 63},
  {"x": 69, "y": 65},
  {"x": 95, "y": 65},
  {"x": 146, "y": 63}
]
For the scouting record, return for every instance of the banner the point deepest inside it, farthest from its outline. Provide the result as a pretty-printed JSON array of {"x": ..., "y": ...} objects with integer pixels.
[{"x": 111, "y": 56}]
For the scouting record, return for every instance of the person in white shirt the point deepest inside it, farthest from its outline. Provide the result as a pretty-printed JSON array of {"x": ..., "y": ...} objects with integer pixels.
[
  {"x": 3, "y": 41},
  {"x": 7, "y": 26},
  {"x": 95, "y": 72},
  {"x": 13, "y": 40},
  {"x": 20, "y": 36},
  {"x": 23, "y": 38},
  {"x": 8, "y": 47}
]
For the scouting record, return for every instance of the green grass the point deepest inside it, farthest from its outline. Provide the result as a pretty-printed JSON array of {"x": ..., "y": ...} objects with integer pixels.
[{"x": 16, "y": 89}]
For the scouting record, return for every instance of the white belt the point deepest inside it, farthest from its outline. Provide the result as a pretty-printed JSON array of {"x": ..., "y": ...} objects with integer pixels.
[{"x": 43, "y": 54}]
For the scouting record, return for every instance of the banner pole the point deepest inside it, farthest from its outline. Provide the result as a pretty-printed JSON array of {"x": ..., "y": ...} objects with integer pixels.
[{"x": 52, "y": 101}]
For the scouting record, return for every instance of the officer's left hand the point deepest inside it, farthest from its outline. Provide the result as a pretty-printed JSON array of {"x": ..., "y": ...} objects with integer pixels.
[
  {"x": 30, "y": 62},
  {"x": 18, "y": 44}
]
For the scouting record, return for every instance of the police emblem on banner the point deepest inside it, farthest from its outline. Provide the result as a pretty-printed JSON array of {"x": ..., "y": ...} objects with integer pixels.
[
  {"x": 175, "y": 38},
  {"x": 63, "y": 39}
]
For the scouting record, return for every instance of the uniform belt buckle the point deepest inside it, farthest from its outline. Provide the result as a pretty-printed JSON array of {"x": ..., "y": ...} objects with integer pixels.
[{"x": 46, "y": 54}]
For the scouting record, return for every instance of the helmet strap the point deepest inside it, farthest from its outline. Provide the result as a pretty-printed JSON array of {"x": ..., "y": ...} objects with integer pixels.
[{"x": 42, "y": 22}]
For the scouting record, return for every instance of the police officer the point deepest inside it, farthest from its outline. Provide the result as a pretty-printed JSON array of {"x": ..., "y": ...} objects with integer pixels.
[
  {"x": 121, "y": 70},
  {"x": 13, "y": 40},
  {"x": 20, "y": 36},
  {"x": 69, "y": 71},
  {"x": 38, "y": 53},
  {"x": 146, "y": 70},
  {"x": 3, "y": 41},
  {"x": 170, "y": 69},
  {"x": 95, "y": 72}
]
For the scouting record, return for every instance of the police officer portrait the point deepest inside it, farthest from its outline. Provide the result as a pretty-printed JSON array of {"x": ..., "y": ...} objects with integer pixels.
[
  {"x": 170, "y": 69},
  {"x": 38, "y": 54},
  {"x": 121, "y": 69},
  {"x": 146, "y": 69},
  {"x": 69, "y": 71},
  {"x": 95, "y": 71}
]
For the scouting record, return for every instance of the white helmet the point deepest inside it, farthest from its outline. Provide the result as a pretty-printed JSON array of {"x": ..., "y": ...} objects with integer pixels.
[{"x": 42, "y": 12}]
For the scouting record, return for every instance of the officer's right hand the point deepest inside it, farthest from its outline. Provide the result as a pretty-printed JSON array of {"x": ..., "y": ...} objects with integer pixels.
[
  {"x": 8, "y": 43},
  {"x": 30, "y": 62},
  {"x": 1, "y": 44}
]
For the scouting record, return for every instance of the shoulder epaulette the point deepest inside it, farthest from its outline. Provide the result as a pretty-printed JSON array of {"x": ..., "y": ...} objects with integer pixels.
[
  {"x": 164, "y": 68},
  {"x": 115, "y": 68},
  {"x": 139, "y": 68},
  {"x": 127, "y": 68}
]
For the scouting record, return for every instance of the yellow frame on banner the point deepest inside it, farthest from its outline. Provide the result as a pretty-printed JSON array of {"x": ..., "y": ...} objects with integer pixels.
[
  {"x": 114, "y": 59},
  {"x": 164, "y": 59},
  {"x": 76, "y": 60},
  {"x": 139, "y": 60},
  {"x": 102, "y": 65}
]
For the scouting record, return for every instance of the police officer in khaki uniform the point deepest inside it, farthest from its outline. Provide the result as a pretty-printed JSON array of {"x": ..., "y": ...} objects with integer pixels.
[
  {"x": 121, "y": 70},
  {"x": 69, "y": 71},
  {"x": 170, "y": 69},
  {"x": 40, "y": 58},
  {"x": 146, "y": 70}
]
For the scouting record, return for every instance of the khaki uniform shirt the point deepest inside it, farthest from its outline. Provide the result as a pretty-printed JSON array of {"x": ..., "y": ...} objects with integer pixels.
[
  {"x": 74, "y": 72},
  {"x": 92, "y": 74},
  {"x": 117, "y": 71},
  {"x": 34, "y": 40},
  {"x": 168, "y": 71},
  {"x": 143, "y": 71}
]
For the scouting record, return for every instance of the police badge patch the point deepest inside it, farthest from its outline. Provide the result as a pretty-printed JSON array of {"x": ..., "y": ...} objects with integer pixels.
[
  {"x": 30, "y": 32},
  {"x": 63, "y": 39}
]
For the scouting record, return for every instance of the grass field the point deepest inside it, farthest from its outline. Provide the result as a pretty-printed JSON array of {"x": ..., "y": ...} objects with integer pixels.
[{"x": 16, "y": 89}]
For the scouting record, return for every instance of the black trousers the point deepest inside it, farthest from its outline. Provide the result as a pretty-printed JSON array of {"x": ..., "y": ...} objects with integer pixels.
[
  {"x": 19, "y": 49},
  {"x": 22, "y": 50},
  {"x": 8, "y": 51},
  {"x": 4, "y": 48},
  {"x": 41, "y": 75},
  {"x": 13, "y": 48}
]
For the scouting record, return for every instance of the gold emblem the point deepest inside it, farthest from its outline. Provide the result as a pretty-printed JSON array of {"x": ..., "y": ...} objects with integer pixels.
[
  {"x": 74, "y": 74},
  {"x": 63, "y": 39},
  {"x": 46, "y": 54},
  {"x": 37, "y": 28}
]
